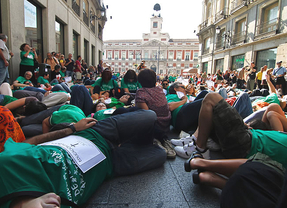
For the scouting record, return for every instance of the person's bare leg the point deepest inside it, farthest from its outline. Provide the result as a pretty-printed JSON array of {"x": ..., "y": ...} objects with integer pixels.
[
  {"x": 225, "y": 166},
  {"x": 212, "y": 179},
  {"x": 277, "y": 121},
  {"x": 272, "y": 107},
  {"x": 205, "y": 119}
]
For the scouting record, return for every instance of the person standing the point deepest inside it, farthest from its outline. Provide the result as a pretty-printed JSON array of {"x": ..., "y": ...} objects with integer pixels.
[
  {"x": 251, "y": 76},
  {"x": 5, "y": 56},
  {"x": 69, "y": 65},
  {"x": 100, "y": 68},
  {"x": 28, "y": 55},
  {"x": 279, "y": 74}
]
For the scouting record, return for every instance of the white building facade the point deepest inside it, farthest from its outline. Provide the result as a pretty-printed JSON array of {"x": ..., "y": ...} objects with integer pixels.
[
  {"x": 236, "y": 32},
  {"x": 66, "y": 26},
  {"x": 161, "y": 53}
]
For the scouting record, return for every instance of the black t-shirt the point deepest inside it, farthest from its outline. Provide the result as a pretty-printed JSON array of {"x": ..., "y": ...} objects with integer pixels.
[
  {"x": 70, "y": 66},
  {"x": 252, "y": 75},
  {"x": 54, "y": 75}
]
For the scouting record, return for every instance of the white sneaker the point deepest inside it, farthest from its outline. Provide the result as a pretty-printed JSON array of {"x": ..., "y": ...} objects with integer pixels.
[
  {"x": 186, "y": 150},
  {"x": 182, "y": 141}
]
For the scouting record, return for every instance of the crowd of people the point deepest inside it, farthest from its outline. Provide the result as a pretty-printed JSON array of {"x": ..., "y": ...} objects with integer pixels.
[{"x": 47, "y": 122}]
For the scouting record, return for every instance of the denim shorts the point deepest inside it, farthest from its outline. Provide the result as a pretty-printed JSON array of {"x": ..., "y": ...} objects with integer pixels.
[{"x": 233, "y": 135}]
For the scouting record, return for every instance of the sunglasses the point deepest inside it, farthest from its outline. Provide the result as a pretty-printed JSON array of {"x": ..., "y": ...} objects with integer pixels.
[
  {"x": 182, "y": 86},
  {"x": 164, "y": 83}
]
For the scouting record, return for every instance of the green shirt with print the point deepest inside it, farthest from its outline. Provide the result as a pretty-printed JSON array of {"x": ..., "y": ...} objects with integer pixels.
[
  {"x": 132, "y": 86},
  {"x": 42, "y": 80},
  {"x": 105, "y": 85},
  {"x": 29, "y": 60}
]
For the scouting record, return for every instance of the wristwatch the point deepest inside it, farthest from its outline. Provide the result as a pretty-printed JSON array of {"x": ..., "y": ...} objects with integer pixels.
[{"x": 71, "y": 126}]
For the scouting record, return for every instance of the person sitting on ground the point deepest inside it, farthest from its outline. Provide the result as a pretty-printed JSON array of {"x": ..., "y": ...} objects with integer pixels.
[
  {"x": 150, "y": 97},
  {"x": 44, "y": 80},
  {"x": 22, "y": 82},
  {"x": 130, "y": 82},
  {"x": 103, "y": 84},
  {"x": 126, "y": 142}
]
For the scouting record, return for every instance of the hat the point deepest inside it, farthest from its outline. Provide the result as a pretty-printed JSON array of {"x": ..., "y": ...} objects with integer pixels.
[{"x": 279, "y": 62}]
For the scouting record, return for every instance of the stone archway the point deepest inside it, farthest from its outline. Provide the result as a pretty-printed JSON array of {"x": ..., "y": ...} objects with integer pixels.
[{"x": 153, "y": 67}]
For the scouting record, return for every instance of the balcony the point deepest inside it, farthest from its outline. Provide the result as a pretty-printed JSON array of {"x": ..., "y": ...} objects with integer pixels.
[
  {"x": 203, "y": 25},
  {"x": 205, "y": 51},
  {"x": 239, "y": 37},
  {"x": 267, "y": 28},
  {"x": 76, "y": 8},
  {"x": 221, "y": 14},
  {"x": 86, "y": 18},
  {"x": 237, "y": 4}
]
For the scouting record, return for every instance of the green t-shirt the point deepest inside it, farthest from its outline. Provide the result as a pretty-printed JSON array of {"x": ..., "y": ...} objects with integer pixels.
[
  {"x": 272, "y": 98},
  {"x": 26, "y": 167},
  {"x": 270, "y": 143},
  {"x": 132, "y": 86},
  {"x": 29, "y": 60},
  {"x": 42, "y": 80},
  {"x": 67, "y": 114},
  {"x": 116, "y": 103},
  {"x": 62, "y": 74},
  {"x": 173, "y": 98},
  {"x": 99, "y": 115},
  {"x": 22, "y": 80},
  {"x": 8, "y": 99},
  {"x": 105, "y": 86}
]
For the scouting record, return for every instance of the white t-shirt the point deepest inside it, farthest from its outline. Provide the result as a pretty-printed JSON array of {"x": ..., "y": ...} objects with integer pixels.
[{"x": 4, "y": 49}]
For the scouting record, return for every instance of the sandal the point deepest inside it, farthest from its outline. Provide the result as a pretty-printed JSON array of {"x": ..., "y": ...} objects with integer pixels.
[
  {"x": 195, "y": 177},
  {"x": 196, "y": 154}
]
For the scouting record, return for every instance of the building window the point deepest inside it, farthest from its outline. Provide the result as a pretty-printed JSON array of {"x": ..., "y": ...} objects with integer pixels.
[
  {"x": 195, "y": 55},
  {"x": 146, "y": 55},
  {"x": 186, "y": 66},
  {"x": 237, "y": 62},
  {"x": 109, "y": 55},
  {"x": 154, "y": 54},
  {"x": 93, "y": 55},
  {"x": 154, "y": 24},
  {"x": 170, "y": 56},
  {"x": 100, "y": 32},
  {"x": 178, "y": 72},
  {"x": 178, "y": 55},
  {"x": 76, "y": 6},
  {"x": 75, "y": 45},
  {"x": 268, "y": 21},
  {"x": 187, "y": 56},
  {"x": 219, "y": 64},
  {"x": 267, "y": 57},
  {"x": 86, "y": 12},
  {"x": 131, "y": 55},
  {"x": 86, "y": 51},
  {"x": 240, "y": 31},
  {"x": 206, "y": 45},
  {"x": 33, "y": 27},
  {"x": 116, "y": 55},
  {"x": 92, "y": 21},
  {"x": 59, "y": 28},
  {"x": 205, "y": 67},
  {"x": 123, "y": 55}
]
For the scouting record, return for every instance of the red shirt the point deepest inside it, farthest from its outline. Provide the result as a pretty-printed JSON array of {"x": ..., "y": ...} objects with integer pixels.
[{"x": 78, "y": 66}]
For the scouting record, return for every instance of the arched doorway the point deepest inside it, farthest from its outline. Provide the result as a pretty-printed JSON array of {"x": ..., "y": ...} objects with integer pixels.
[{"x": 153, "y": 67}]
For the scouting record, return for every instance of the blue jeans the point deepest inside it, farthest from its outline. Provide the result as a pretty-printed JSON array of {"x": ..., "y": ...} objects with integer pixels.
[
  {"x": 3, "y": 72},
  {"x": 61, "y": 87},
  {"x": 187, "y": 117},
  {"x": 35, "y": 89},
  {"x": 69, "y": 73},
  {"x": 134, "y": 131},
  {"x": 223, "y": 93},
  {"x": 81, "y": 98},
  {"x": 243, "y": 105}
]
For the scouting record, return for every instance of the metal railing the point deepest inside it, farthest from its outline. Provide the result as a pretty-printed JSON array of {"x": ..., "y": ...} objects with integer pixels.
[
  {"x": 238, "y": 37},
  {"x": 76, "y": 8},
  {"x": 203, "y": 25},
  {"x": 237, "y": 4},
  {"x": 205, "y": 51},
  {"x": 267, "y": 27},
  {"x": 154, "y": 59},
  {"x": 86, "y": 18}
]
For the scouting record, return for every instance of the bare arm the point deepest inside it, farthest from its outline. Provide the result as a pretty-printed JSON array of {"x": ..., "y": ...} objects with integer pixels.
[
  {"x": 142, "y": 106},
  {"x": 270, "y": 85},
  {"x": 34, "y": 51},
  {"x": 17, "y": 84},
  {"x": 81, "y": 125},
  {"x": 126, "y": 90},
  {"x": 16, "y": 104},
  {"x": 175, "y": 105}
]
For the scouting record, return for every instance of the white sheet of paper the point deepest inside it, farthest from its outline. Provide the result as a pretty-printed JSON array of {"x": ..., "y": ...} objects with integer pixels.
[
  {"x": 108, "y": 101},
  {"x": 179, "y": 94},
  {"x": 84, "y": 153},
  {"x": 110, "y": 111},
  {"x": 164, "y": 91},
  {"x": 68, "y": 79}
]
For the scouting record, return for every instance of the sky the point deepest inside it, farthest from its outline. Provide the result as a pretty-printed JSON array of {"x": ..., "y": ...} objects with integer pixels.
[{"x": 131, "y": 18}]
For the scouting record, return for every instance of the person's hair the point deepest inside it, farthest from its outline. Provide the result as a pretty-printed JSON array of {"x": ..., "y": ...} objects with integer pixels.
[
  {"x": 57, "y": 66},
  {"x": 174, "y": 85},
  {"x": 131, "y": 98},
  {"x": 23, "y": 46},
  {"x": 164, "y": 80},
  {"x": 78, "y": 56},
  {"x": 46, "y": 73},
  {"x": 147, "y": 78},
  {"x": 3, "y": 36},
  {"x": 34, "y": 106},
  {"x": 94, "y": 107},
  {"x": 27, "y": 73},
  {"x": 106, "y": 75},
  {"x": 130, "y": 74},
  {"x": 259, "y": 124}
]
